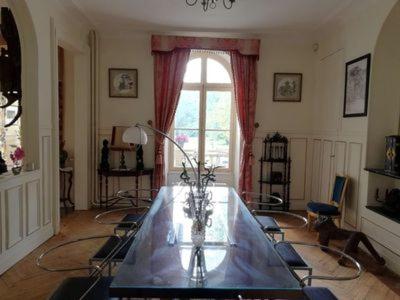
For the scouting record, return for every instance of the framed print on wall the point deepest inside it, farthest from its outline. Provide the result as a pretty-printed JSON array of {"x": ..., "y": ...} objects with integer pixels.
[
  {"x": 357, "y": 87},
  {"x": 123, "y": 83},
  {"x": 287, "y": 87}
]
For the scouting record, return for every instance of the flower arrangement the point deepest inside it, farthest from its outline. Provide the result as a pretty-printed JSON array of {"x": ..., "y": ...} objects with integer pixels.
[
  {"x": 182, "y": 139},
  {"x": 17, "y": 158}
]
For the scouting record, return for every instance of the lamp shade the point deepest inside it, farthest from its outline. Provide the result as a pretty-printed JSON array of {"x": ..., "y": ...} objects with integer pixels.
[{"x": 135, "y": 135}]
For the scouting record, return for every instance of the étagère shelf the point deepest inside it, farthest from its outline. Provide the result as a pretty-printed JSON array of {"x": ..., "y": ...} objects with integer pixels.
[{"x": 275, "y": 170}]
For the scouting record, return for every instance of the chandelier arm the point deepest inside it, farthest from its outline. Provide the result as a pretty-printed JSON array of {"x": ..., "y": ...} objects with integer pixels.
[
  {"x": 191, "y": 3},
  {"x": 206, "y": 4},
  {"x": 228, "y": 6}
]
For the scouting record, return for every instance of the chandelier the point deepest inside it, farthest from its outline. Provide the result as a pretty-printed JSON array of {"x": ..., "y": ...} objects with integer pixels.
[{"x": 211, "y": 3}]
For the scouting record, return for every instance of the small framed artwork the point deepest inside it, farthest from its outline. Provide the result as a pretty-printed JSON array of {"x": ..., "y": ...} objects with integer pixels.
[
  {"x": 357, "y": 87},
  {"x": 123, "y": 83},
  {"x": 287, "y": 87}
]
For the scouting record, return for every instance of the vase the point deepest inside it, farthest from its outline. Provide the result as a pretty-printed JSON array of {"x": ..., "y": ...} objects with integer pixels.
[
  {"x": 16, "y": 170},
  {"x": 198, "y": 233}
]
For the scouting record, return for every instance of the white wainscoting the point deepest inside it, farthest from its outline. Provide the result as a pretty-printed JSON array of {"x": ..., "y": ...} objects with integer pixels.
[
  {"x": 23, "y": 226},
  {"x": 342, "y": 156},
  {"x": 315, "y": 161},
  {"x": 14, "y": 215}
]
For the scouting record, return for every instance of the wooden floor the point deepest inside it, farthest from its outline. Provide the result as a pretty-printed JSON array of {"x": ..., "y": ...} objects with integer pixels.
[{"x": 26, "y": 281}]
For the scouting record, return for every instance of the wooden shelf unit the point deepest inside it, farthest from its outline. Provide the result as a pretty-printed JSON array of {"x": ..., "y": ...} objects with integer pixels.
[{"x": 275, "y": 160}]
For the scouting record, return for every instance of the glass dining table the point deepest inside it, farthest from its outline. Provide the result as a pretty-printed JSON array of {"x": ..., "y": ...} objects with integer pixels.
[{"x": 236, "y": 259}]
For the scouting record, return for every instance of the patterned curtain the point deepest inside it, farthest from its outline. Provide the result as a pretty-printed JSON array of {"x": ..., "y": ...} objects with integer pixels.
[
  {"x": 244, "y": 70},
  {"x": 169, "y": 70}
]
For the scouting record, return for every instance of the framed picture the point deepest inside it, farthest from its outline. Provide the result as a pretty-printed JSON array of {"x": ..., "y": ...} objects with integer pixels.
[
  {"x": 287, "y": 87},
  {"x": 356, "y": 87},
  {"x": 123, "y": 83},
  {"x": 116, "y": 139}
]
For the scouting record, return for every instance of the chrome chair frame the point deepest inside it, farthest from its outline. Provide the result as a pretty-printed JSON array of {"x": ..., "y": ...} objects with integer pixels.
[
  {"x": 133, "y": 225},
  {"x": 256, "y": 213},
  {"x": 310, "y": 276},
  {"x": 95, "y": 271},
  {"x": 261, "y": 212},
  {"x": 124, "y": 194}
]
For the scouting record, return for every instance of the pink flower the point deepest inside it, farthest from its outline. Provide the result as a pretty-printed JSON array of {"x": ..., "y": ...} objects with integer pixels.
[
  {"x": 182, "y": 138},
  {"x": 18, "y": 155}
]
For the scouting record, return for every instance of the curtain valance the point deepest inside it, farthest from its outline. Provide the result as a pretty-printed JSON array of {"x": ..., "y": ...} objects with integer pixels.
[{"x": 166, "y": 43}]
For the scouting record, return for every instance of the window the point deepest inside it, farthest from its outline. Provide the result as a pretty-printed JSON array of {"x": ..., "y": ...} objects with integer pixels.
[{"x": 203, "y": 124}]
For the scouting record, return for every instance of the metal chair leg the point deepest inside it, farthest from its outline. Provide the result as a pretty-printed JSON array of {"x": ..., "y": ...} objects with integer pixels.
[{"x": 309, "y": 274}]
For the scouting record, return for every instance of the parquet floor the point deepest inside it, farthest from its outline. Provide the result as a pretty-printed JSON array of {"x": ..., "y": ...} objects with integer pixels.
[{"x": 26, "y": 281}]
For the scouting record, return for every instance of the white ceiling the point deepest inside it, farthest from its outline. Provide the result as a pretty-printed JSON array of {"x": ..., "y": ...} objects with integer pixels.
[{"x": 247, "y": 16}]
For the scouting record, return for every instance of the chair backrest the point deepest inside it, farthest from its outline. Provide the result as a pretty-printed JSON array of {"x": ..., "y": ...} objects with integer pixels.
[{"x": 339, "y": 191}]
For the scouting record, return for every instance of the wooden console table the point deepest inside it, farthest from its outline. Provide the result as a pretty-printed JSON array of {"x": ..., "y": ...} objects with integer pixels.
[
  {"x": 120, "y": 173},
  {"x": 66, "y": 186}
]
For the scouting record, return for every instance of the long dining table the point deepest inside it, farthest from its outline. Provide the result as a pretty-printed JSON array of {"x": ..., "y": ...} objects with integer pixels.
[{"x": 237, "y": 258}]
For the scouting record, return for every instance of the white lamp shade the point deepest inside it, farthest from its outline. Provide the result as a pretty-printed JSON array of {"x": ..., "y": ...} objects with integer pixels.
[{"x": 135, "y": 135}]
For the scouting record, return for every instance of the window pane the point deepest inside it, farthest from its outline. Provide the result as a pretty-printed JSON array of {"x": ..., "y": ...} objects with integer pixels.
[
  {"x": 193, "y": 71},
  {"x": 218, "y": 113},
  {"x": 216, "y": 72},
  {"x": 217, "y": 148},
  {"x": 10, "y": 137},
  {"x": 189, "y": 141},
  {"x": 187, "y": 112}
]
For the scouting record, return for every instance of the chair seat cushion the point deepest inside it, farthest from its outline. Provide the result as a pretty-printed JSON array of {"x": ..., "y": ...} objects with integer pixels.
[
  {"x": 109, "y": 245},
  {"x": 289, "y": 255},
  {"x": 322, "y": 209},
  {"x": 318, "y": 293},
  {"x": 130, "y": 218},
  {"x": 268, "y": 223},
  {"x": 75, "y": 287}
]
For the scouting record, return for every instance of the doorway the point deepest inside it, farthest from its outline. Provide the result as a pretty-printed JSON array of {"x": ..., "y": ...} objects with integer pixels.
[{"x": 66, "y": 113}]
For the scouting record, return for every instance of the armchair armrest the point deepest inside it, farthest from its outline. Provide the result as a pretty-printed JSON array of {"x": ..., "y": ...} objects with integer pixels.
[{"x": 324, "y": 277}]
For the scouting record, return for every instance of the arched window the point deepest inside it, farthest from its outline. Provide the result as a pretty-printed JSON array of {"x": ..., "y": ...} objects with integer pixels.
[
  {"x": 10, "y": 85},
  {"x": 204, "y": 124}
]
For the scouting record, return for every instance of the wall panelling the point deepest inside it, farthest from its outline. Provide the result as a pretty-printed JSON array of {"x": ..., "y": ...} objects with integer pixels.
[{"x": 14, "y": 216}]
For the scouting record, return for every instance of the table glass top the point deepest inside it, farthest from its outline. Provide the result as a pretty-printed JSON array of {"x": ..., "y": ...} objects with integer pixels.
[{"x": 236, "y": 253}]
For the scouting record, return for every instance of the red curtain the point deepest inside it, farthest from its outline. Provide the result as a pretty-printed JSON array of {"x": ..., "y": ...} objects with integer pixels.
[
  {"x": 169, "y": 70},
  {"x": 244, "y": 70}
]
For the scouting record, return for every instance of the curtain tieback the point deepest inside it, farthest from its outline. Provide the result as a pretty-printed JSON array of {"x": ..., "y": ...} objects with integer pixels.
[{"x": 159, "y": 157}]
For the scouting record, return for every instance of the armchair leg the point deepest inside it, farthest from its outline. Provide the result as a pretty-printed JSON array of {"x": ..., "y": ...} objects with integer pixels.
[{"x": 309, "y": 219}]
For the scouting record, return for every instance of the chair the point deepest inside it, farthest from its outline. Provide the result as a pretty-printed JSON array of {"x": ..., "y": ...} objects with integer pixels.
[
  {"x": 269, "y": 224},
  {"x": 318, "y": 293},
  {"x": 334, "y": 208},
  {"x": 108, "y": 247},
  {"x": 129, "y": 222},
  {"x": 92, "y": 287},
  {"x": 290, "y": 256},
  {"x": 313, "y": 293}
]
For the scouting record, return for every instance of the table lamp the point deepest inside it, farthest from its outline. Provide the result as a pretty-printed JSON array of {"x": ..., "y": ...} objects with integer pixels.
[{"x": 136, "y": 135}]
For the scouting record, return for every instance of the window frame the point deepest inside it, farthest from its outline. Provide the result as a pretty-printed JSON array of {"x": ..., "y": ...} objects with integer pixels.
[{"x": 203, "y": 87}]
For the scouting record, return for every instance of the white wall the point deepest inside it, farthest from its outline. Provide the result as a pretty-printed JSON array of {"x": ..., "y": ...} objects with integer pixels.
[
  {"x": 288, "y": 53},
  {"x": 131, "y": 52},
  {"x": 29, "y": 203},
  {"x": 291, "y": 53},
  {"x": 339, "y": 144}
]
